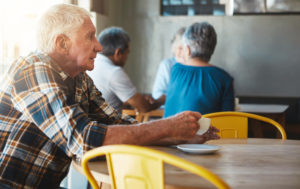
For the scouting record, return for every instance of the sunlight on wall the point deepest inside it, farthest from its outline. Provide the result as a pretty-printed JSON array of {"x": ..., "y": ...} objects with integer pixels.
[{"x": 17, "y": 26}]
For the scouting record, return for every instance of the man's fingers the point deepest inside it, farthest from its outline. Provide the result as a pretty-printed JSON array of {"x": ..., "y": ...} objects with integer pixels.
[{"x": 213, "y": 129}]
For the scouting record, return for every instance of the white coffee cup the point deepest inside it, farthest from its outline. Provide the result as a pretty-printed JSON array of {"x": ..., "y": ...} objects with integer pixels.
[{"x": 204, "y": 125}]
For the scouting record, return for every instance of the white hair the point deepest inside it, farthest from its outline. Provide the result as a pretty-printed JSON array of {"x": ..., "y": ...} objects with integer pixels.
[
  {"x": 59, "y": 19},
  {"x": 177, "y": 39},
  {"x": 201, "y": 39}
]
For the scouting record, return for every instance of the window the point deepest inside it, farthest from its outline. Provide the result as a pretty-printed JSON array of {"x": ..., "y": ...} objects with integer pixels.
[
  {"x": 266, "y": 6},
  {"x": 192, "y": 7},
  {"x": 228, "y": 7},
  {"x": 17, "y": 21}
]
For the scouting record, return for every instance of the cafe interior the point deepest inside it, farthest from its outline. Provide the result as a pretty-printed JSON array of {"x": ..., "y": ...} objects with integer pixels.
[{"x": 258, "y": 45}]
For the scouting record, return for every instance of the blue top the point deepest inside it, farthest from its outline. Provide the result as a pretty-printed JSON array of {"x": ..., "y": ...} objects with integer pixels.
[
  {"x": 163, "y": 77},
  {"x": 203, "y": 89}
]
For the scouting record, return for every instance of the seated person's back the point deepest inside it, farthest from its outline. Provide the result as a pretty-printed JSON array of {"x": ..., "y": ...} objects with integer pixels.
[
  {"x": 196, "y": 85},
  {"x": 198, "y": 89}
]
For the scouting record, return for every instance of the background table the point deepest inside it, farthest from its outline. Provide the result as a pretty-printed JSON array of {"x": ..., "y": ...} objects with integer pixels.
[
  {"x": 242, "y": 163},
  {"x": 263, "y": 108},
  {"x": 273, "y": 111}
]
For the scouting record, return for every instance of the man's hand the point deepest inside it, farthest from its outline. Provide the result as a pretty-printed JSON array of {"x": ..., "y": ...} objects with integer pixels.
[
  {"x": 144, "y": 103},
  {"x": 184, "y": 126},
  {"x": 211, "y": 134},
  {"x": 149, "y": 98}
]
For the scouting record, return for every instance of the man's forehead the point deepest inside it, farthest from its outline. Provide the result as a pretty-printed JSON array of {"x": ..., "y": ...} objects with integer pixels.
[{"x": 88, "y": 26}]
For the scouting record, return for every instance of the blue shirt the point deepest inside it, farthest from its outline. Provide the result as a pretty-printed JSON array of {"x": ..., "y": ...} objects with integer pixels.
[{"x": 202, "y": 89}]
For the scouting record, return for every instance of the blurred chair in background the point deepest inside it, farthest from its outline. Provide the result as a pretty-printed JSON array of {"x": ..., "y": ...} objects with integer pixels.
[{"x": 144, "y": 117}]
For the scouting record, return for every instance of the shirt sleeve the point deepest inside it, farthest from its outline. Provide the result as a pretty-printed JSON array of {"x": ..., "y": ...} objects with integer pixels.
[
  {"x": 228, "y": 96},
  {"x": 161, "y": 80},
  {"x": 40, "y": 94},
  {"x": 121, "y": 85}
]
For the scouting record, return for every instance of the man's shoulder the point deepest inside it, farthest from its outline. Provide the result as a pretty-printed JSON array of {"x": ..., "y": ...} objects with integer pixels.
[{"x": 34, "y": 62}]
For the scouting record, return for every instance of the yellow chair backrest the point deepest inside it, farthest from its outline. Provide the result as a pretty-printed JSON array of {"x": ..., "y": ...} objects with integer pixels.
[
  {"x": 137, "y": 167},
  {"x": 235, "y": 124}
]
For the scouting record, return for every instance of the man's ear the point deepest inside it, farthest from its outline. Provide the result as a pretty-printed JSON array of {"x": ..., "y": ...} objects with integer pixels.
[
  {"x": 117, "y": 53},
  {"x": 62, "y": 44}
]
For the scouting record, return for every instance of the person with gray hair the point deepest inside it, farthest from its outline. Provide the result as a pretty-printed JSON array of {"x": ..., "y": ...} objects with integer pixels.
[
  {"x": 197, "y": 85},
  {"x": 113, "y": 38},
  {"x": 110, "y": 77},
  {"x": 163, "y": 73},
  {"x": 51, "y": 112}
]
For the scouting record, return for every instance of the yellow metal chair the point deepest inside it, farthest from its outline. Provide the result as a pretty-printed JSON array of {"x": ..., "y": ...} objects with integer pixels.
[
  {"x": 137, "y": 167},
  {"x": 235, "y": 124}
]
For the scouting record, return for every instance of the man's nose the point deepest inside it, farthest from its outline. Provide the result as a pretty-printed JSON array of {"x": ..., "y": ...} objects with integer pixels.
[{"x": 98, "y": 47}]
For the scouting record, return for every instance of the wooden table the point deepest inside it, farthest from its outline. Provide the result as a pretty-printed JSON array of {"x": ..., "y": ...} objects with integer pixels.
[{"x": 242, "y": 163}]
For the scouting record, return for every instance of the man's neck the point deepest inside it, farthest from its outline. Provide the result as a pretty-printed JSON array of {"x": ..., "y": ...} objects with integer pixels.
[
  {"x": 113, "y": 60},
  {"x": 66, "y": 65}
]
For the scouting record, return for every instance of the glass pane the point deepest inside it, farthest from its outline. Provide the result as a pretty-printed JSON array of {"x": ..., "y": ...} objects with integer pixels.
[
  {"x": 219, "y": 10},
  {"x": 165, "y": 2},
  {"x": 246, "y": 6},
  {"x": 187, "y": 2},
  {"x": 191, "y": 11},
  {"x": 203, "y": 2},
  {"x": 283, "y": 5},
  {"x": 192, "y": 7},
  {"x": 175, "y": 2}
]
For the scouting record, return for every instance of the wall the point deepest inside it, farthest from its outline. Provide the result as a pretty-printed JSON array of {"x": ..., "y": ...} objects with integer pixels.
[
  {"x": 260, "y": 52},
  {"x": 112, "y": 16}
]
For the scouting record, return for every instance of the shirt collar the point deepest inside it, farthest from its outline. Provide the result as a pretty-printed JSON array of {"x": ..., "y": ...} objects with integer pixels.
[{"x": 55, "y": 66}]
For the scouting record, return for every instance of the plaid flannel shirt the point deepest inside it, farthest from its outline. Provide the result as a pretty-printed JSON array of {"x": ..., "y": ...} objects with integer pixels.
[{"x": 46, "y": 118}]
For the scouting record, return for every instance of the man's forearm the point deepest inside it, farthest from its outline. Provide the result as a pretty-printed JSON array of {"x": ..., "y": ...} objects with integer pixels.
[
  {"x": 139, "y": 134},
  {"x": 173, "y": 130}
]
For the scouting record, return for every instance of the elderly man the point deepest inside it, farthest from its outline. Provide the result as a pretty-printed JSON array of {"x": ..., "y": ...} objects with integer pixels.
[
  {"x": 50, "y": 111},
  {"x": 110, "y": 77}
]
